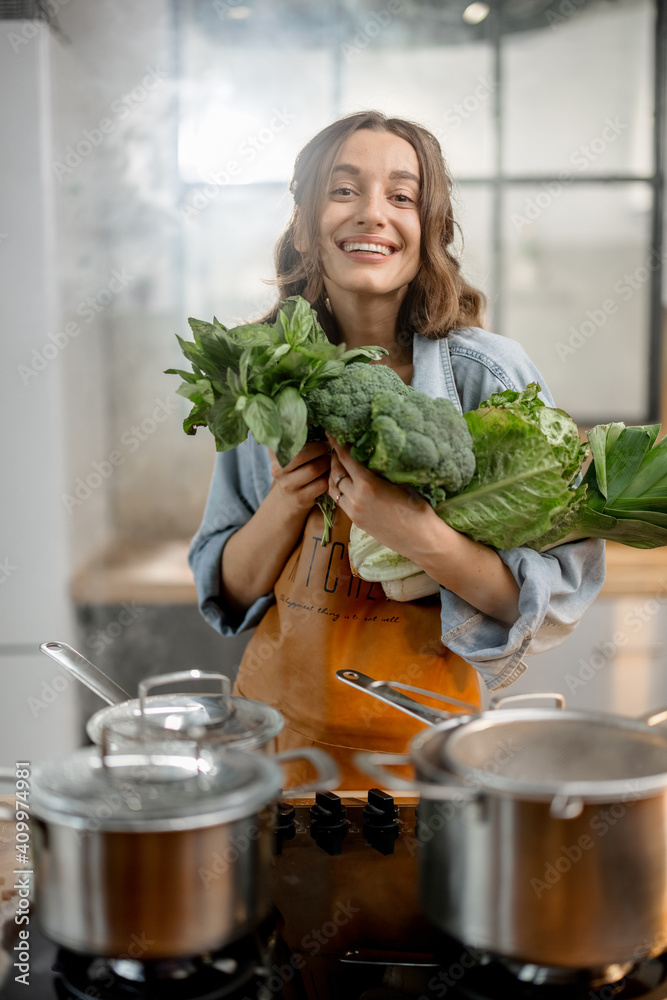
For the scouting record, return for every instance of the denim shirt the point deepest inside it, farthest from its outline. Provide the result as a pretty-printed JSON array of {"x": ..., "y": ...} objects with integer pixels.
[{"x": 556, "y": 587}]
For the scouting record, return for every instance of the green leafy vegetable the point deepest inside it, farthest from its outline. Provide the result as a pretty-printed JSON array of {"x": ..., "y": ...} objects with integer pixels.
[
  {"x": 505, "y": 474},
  {"x": 404, "y": 435},
  {"x": 255, "y": 378},
  {"x": 624, "y": 491},
  {"x": 240, "y": 377},
  {"x": 526, "y": 455}
]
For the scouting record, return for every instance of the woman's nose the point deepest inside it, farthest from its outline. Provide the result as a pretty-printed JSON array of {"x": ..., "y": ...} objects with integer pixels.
[{"x": 371, "y": 208}]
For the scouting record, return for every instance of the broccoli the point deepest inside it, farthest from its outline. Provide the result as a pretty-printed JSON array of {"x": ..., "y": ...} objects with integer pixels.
[
  {"x": 419, "y": 440},
  {"x": 398, "y": 432},
  {"x": 342, "y": 406}
]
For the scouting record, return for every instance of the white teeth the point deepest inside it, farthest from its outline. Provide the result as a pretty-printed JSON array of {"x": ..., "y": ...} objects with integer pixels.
[{"x": 376, "y": 247}]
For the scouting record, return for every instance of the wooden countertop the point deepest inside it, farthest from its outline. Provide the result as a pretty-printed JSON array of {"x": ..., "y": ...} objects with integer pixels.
[{"x": 159, "y": 574}]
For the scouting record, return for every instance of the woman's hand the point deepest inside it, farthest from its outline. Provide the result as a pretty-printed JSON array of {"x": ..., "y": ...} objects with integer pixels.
[
  {"x": 300, "y": 482},
  {"x": 394, "y": 515},
  {"x": 403, "y": 521},
  {"x": 255, "y": 555}
]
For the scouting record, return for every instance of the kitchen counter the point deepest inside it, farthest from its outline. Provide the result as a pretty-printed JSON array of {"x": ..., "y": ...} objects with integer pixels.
[{"x": 159, "y": 574}]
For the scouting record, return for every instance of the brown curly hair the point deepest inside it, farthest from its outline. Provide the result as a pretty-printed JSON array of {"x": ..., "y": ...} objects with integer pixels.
[{"x": 439, "y": 299}]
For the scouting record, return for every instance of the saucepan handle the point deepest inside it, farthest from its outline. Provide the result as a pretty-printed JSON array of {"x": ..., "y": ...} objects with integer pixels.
[
  {"x": 328, "y": 774},
  {"x": 654, "y": 718},
  {"x": 86, "y": 672},
  {"x": 501, "y": 700},
  {"x": 390, "y": 693},
  {"x": 188, "y": 675},
  {"x": 376, "y": 764}
]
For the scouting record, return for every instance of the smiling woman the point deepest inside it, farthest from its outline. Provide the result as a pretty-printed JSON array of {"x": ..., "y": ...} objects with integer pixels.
[
  {"x": 370, "y": 231},
  {"x": 369, "y": 245}
]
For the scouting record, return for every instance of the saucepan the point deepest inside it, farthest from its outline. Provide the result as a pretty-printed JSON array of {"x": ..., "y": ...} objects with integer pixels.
[
  {"x": 222, "y": 719},
  {"x": 543, "y": 831},
  {"x": 171, "y": 845}
]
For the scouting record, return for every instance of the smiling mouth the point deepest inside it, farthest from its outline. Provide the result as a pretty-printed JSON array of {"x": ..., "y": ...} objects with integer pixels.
[{"x": 380, "y": 249}]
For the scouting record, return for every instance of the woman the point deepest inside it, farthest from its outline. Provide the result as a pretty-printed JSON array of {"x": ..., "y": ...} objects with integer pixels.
[{"x": 369, "y": 244}]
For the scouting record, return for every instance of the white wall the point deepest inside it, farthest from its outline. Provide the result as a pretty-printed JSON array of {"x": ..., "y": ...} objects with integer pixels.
[{"x": 34, "y": 564}]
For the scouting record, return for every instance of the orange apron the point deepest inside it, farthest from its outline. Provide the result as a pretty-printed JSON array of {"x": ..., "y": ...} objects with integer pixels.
[{"x": 324, "y": 620}]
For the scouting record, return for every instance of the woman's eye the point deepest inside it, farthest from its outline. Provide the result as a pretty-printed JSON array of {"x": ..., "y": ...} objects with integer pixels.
[
  {"x": 403, "y": 198},
  {"x": 343, "y": 190}
]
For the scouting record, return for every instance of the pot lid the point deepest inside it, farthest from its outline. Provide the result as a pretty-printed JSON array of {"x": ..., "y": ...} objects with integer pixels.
[
  {"x": 543, "y": 753},
  {"x": 156, "y": 786},
  {"x": 247, "y": 724}
]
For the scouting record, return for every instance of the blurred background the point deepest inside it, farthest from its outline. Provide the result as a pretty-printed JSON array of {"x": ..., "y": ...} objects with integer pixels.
[{"x": 145, "y": 157}]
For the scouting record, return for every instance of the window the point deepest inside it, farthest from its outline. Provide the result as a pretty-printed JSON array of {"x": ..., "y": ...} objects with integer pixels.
[{"x": 547, "y": 114}]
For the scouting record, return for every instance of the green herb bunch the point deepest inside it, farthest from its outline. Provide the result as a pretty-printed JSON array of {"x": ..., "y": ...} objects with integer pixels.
[{"x": 255, "y": 377}]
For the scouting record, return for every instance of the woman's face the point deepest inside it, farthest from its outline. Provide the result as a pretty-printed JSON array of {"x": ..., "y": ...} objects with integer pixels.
[{"x": 370, "y": 228}]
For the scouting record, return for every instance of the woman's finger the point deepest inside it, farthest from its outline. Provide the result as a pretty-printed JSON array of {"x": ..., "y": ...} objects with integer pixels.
[
  {"x": 309, "y": 452},
  {"x": 302, "y": 474}
]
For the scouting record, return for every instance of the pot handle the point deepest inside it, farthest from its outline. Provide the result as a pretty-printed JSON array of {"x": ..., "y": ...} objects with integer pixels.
[
  {"x": 86, "y": 672},
  {"x": 566, "y": 806},
  {"x": 189, "y": 675},
  {"x": 654, "y": 718},
  {"x": 375, "y": 765},
  {"x": 531, "y": 696},
  {"x": 328, "y": 774},
  {"x": 387, "y": 691}
]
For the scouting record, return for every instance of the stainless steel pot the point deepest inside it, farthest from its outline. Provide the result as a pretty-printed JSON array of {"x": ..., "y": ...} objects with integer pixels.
[
  {"x": 219, "y": 718},
  {"x": 543, "y": 832},
  {"x": 167, "y": 851}
]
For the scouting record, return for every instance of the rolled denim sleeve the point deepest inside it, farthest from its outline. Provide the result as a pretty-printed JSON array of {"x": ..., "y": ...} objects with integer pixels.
[
  {"x": 556, "y": 588},
  {"x": 241, "y": 480}
]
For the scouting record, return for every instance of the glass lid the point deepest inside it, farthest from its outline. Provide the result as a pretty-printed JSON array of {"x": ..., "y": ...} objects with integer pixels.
[
  {"x": 217, "y": 717},
  {"x": 154, "y": 785}
]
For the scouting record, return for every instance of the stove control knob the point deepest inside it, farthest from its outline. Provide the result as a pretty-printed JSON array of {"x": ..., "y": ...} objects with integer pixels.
[
  {"x": 285, "y": 825},
  {"x": 381, "y": 827},
  {"x": 329, "y": 823}
]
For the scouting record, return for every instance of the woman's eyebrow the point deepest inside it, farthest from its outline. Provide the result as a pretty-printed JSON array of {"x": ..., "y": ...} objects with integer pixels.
[
  {"x": 405, "y": 175},
  {"x": 348, "y": 168},
  {"x": 345, "y": 168}
]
